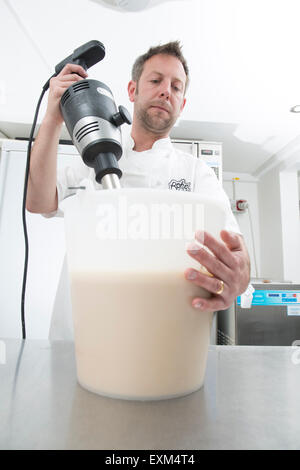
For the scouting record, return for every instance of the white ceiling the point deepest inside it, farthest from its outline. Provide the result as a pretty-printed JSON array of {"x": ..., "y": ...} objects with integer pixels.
[{"x": 243, "y": 57}]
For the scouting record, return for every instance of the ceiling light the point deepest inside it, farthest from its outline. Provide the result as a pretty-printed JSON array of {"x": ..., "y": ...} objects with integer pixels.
[
  {"x": 127, "y": 5},
  {"x": 130, "y": 5},
  {"x": 295, "y": 109}
]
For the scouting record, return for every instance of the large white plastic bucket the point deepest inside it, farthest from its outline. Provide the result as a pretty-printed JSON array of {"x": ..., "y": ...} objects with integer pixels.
[{"x": 136, "y": 334}]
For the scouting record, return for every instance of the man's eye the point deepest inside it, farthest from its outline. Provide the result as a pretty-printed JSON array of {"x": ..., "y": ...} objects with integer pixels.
[{"x": 154, "y": 81}]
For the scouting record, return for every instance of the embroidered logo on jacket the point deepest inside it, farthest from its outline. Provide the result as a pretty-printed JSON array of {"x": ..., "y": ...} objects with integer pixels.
[{"x": 180, "y": 185}]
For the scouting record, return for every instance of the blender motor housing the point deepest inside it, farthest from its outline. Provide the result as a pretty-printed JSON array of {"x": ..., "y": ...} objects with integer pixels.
[{"x": 93, "y": 122}]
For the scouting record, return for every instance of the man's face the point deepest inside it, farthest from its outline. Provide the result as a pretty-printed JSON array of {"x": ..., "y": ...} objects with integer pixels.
[{"x": 159, "y": 95}]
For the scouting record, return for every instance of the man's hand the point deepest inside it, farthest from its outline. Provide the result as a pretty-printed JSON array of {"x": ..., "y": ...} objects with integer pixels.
[
  {"x": 70, "y": 74},
  {"x": 228, "y": 269},
  {"x": 41, "y": 192}
]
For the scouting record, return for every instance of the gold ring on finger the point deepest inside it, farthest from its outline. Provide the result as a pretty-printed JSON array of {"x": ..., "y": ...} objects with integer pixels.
[{"x": 219, "y": 292}]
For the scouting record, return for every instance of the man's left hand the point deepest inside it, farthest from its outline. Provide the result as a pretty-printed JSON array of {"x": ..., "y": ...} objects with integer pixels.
[{"x": 228, "y": 269}]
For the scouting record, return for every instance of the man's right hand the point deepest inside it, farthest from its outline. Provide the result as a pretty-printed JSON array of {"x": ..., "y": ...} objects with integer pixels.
[
  {"x": 42, "y": 196},
  {"x": 70, "y": 74}
]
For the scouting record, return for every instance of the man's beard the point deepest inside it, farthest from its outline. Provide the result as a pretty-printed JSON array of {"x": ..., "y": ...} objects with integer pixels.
[{"x": 156, "y": 123}]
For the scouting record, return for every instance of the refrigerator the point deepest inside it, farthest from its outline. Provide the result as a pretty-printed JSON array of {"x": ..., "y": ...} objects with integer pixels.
[{"x": 46, "y": 238}]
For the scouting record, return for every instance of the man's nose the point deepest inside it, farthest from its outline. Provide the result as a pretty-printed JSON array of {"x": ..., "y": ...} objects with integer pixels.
[{"x": 165, "y": 90}]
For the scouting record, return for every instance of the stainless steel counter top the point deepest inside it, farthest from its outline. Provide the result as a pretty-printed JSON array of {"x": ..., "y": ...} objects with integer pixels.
[{"x": 250, "y": 400}]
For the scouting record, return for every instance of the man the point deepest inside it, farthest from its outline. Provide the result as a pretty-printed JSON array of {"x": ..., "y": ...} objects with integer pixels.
[{"x": 157, "y": 89}]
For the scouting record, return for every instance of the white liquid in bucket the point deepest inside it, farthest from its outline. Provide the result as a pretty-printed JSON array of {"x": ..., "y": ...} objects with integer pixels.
[{"x": 137, "y": 335}]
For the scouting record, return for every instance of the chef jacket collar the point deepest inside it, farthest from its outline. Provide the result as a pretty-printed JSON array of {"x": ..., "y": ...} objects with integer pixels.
[{"x": 158, "y": 144}]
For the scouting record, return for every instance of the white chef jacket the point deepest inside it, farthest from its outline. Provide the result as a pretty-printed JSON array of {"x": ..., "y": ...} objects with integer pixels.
[{"x": 161, "y": 167}]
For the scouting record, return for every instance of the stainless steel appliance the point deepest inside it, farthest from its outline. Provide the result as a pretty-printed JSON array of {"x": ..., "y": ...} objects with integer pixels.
[{"x": 272, "y": 320}]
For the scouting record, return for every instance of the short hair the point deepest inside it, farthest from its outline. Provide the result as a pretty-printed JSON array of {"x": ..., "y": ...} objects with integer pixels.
[{"x": 172, "y": 48}]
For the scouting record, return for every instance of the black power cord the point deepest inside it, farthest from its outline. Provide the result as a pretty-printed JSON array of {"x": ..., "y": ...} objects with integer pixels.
[{"x": 45, "y": 88}]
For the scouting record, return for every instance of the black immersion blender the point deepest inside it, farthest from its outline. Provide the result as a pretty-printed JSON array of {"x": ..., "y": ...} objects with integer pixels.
[{"x": 93, "y": 122}]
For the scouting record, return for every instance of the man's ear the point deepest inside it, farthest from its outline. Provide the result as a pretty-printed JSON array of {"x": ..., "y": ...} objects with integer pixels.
[
  {"x": 183, "y": 104},
  {"x": 131, "y": 90}
]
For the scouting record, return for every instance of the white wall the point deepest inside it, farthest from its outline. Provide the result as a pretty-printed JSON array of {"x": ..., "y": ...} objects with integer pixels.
[
  {"x": 274, "y": 208},
  {"x": 280, "y": 226},
  {"x": 290, "y": 224},
  {"x": 270, "y": 224},
  {"x": 246, "y": 188}
]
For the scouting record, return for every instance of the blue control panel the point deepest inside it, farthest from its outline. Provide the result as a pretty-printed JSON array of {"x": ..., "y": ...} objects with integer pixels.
[{"x": 272, "y": 297}]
